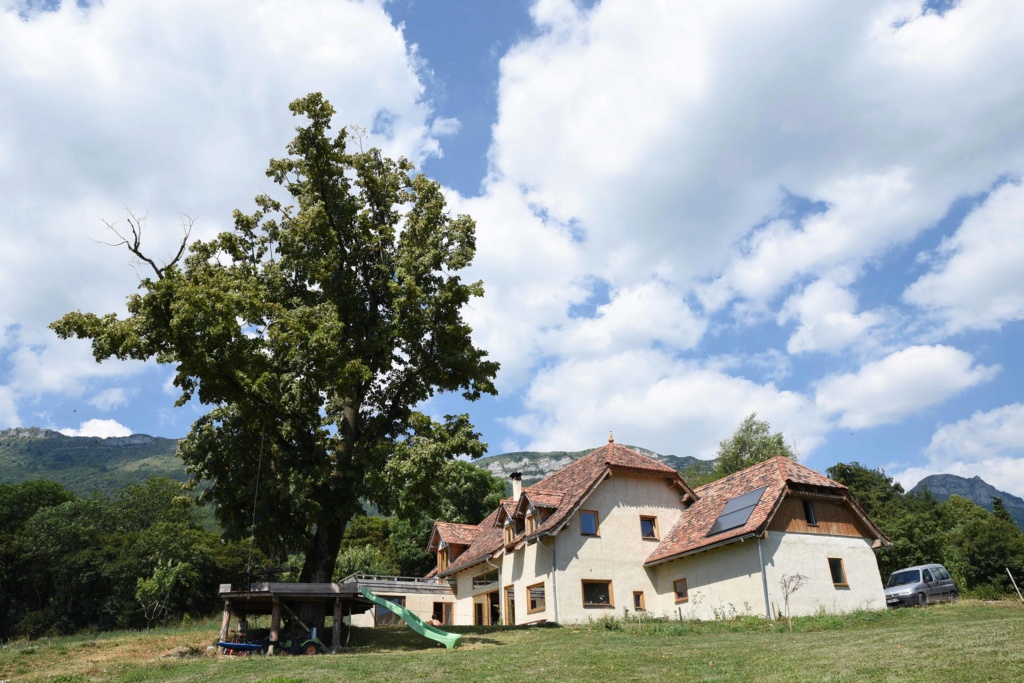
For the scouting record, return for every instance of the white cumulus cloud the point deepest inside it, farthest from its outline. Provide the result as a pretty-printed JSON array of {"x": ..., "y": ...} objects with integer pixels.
[
  {"x": 901, "y": 384},
  {"x": 978, "y": 279},
  {"x": 100, "y": 428},
  {"x": 827, "y": 318},
  {"x": 677, "y": 407},
  {"x": 988, "y": 444}
]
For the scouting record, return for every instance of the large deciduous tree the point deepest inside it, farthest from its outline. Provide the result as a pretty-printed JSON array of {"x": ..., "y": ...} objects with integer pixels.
[
  {"x": 751, "y": 443},
  {"x": 313, "y": 331}
]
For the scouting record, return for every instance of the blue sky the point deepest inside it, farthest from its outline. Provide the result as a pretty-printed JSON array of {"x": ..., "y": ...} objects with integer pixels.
[{"x": 686, "y": 212}]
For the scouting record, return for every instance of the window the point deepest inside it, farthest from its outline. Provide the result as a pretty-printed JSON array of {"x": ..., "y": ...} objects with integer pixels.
[
  {"x": 649, "y": 527},
  {"x": 510, "y": 606},
  {"x": 531, "y": 523},
  {"x": 638, "y": 601},
  {"x": 443, "y": 559},
  {"x": 588, "y": 523},
  {"x": 536, "y": 595},
  {"x": 809, "y": 515},
  {"x": 597, "y": 593},
  {"x": 481, "y": 580},
  {"x": 510, "y": 534},
  {"x": 835, "y": 565},
  {"x": 679, "y": 588},
  {"x": 926, "y": 576}
]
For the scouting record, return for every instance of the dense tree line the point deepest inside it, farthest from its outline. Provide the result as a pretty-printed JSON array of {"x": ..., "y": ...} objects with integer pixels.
[
  {"x": 128, "y": 560},
  {"x": 977, "y": 546}
]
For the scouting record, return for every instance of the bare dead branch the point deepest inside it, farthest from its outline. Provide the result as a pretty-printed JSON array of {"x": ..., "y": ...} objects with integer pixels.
[{"x": 133, "y": 242}]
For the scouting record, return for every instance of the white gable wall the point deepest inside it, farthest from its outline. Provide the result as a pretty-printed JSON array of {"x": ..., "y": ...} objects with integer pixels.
[
  {"x": 618, "y": 554},
  {"x": 808, "y": 554}
]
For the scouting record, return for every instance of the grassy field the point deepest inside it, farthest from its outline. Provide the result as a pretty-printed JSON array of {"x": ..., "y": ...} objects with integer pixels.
[{"x": 971, "y": 641}]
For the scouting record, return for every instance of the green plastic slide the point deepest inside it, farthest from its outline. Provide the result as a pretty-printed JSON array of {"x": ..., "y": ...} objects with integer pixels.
[{"x": 449, "y": 640}]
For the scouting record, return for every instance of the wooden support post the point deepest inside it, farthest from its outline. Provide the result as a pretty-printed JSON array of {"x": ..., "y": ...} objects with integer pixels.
[
  {"x": 336, "y": 631},
  {"x": 1015, "y": 585},
  {"x": 225, "y": 621},
  {"x": 275, "y": 626}
]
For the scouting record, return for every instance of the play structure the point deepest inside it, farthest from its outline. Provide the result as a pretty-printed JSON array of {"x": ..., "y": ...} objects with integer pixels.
[
  {"x": 449, "y": 640},
  {"x": 343, "y": 600}
]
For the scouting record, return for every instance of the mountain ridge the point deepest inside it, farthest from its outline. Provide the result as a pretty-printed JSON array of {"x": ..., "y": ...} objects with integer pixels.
[{"x": 976, "y": 489}]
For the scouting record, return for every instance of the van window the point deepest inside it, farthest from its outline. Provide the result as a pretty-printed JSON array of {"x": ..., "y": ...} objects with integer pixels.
[
  {"x": 927, "y": 576},
  {"x": 904, "y": 577},
  {"x": 941, "y": 574}
]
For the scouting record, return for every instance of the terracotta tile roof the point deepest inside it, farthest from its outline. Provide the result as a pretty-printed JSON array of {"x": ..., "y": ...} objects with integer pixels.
[
  {"x": 543, "y": 499},
  {"x": 690, "y": 532},
  {"x": 457, "y": 534},
  {"x": 488, "y": 540}
]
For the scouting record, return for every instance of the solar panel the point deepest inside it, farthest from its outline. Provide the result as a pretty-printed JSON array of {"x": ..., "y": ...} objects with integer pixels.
[{"x": 737, "y": 511}]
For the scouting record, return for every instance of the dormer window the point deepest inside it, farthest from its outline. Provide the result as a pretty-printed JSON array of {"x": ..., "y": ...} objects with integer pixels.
[
  {"x": 531, "y": 523},
  {"x": 510, "y": 533}
]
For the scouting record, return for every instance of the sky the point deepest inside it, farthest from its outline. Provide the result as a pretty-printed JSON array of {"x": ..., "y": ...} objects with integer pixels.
[{"x": 686, "y": 212}]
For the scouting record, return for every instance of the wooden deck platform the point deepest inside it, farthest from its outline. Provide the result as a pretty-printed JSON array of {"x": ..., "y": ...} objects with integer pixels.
[{"x": 339, "y": 599}]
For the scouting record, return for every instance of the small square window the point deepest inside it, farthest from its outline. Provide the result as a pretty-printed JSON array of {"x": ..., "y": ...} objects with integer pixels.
[
  {"x": 649, "y": 528},
  {"x": 679, "y": 588},
  {"x": 809, "y": 514},
  {"x": 638, "y": 601},
  {"x": 835, "y": 566},
  {"x": 597, "y": 593},
  {"x": 588, "y": 523}
]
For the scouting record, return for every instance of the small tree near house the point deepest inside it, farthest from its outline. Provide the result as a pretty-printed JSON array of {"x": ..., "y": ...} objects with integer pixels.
[{"x": 790, "y": 584}]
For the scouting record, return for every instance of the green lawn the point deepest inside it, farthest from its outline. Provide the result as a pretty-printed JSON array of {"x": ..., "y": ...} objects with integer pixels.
[{"x": 971, "y": 641}]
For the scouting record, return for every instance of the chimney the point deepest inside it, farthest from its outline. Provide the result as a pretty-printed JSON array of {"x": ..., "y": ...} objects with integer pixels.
[{"x": 517, "y": 485}]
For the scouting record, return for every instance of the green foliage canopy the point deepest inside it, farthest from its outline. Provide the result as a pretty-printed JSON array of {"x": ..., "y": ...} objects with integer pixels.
[
  {"x": 751, "y": 443},
  {"x": 313, "y": 331}
]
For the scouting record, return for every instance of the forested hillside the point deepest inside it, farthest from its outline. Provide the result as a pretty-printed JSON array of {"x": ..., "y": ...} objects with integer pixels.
[{"x": 84, "y": 464}]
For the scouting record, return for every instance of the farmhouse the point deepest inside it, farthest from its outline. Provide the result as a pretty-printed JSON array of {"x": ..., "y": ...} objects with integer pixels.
[{"x": 617, "y": 532}]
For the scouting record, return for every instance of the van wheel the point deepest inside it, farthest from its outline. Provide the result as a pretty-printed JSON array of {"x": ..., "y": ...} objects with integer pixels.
[
  {"x": 922, "y": 599},
  {"x": 954, "y": 597}
]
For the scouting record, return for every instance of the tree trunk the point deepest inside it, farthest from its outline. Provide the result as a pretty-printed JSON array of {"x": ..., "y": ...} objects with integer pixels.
[{"x": 319, "y": 565}]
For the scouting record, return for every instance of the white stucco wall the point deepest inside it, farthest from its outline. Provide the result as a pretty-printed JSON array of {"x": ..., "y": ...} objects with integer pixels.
[
  {"x": 722, "y": 583},
  {"x": 808, "y": 554}
]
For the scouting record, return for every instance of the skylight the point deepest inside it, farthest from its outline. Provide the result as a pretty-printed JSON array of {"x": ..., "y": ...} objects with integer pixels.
[{"x": 737, "y": 511}]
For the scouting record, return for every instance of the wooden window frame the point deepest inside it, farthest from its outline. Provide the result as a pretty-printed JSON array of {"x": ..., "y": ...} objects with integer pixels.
[
  {"x": 642, "y": 606},
  {"x": 443, "y": 558},
  {"x": 510, "y": 599},
  {"x": 597, "y": 523},
  {"x": 810, "y": 514},
  {"x": 531, "y": 523},
  {"x": 529, "y": 607},
  {"x": 598, "y": 605},
  {"x": 478, "y": 586},
  {"x": 510, "y": 534},
  {"x": 685, "y": 591},
  {"x": 842, "y": 568},
  {"x": 654, "y": 521}
]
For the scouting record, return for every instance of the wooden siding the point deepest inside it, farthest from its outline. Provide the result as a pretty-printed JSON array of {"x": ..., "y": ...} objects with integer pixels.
[{"x": 834, "y": 517}]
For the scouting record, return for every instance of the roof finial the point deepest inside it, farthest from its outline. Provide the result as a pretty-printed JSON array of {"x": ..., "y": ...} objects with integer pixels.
[{"x": 611, "y": 437}]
